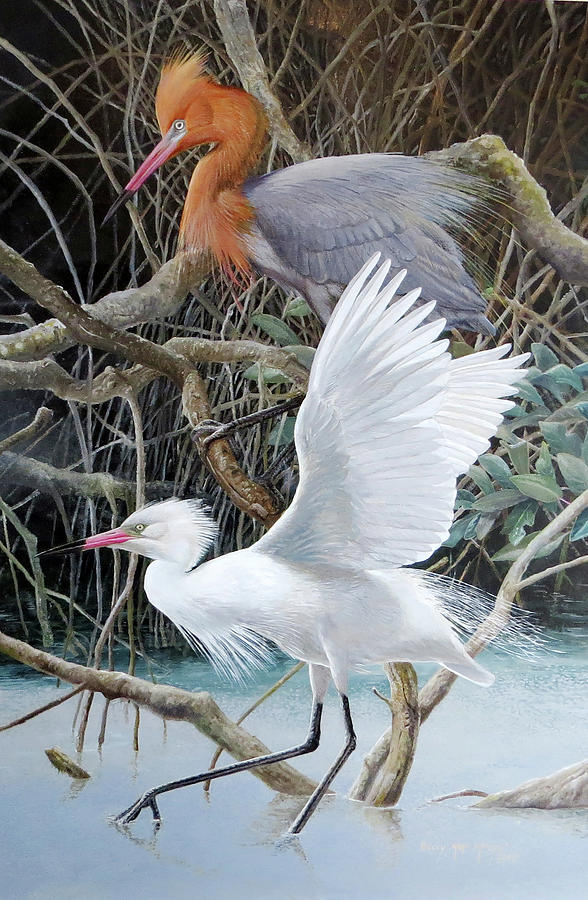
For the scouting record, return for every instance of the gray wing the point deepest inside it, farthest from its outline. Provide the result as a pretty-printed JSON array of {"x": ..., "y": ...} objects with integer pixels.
[{"x": 321, "y": 220}]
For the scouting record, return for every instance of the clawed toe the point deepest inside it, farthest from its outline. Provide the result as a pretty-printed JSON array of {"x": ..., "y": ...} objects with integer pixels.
[
  {"x": 208, "y": 431},
  {"x": 129, "y": 815}
]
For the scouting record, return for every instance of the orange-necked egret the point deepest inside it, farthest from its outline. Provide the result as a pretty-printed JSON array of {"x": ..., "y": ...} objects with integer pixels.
[{"x": 311, "y": 226}]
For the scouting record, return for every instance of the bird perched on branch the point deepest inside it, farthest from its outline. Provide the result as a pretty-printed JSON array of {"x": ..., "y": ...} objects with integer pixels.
[
  {"x": 311, "y": 226},
  {"x": 389, "y": 422}
]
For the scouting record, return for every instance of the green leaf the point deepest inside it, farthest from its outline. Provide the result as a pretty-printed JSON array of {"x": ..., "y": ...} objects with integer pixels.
[
  {"x": 496, "y": 468},
  {"x": 531, "y": 373},
  {"x": 582, "y": 370},
  {"x": 481, "y": 479},
  {"x": 459, "y": 528},
  {"x": 459, "y": 349},
  {"x": 275, "y": 328},
  {"x": 544, "y": 357},
  {"x": 526, "y": 390},
  {"x": 523, "y": 419},
  {"x": 519, "y": 456},
  {"x": 499, "y": 500},
  {"x": 568, "y": 414},
  {"x": 283, "y": 432},
  {"x": 574, "y": 472},
  {"x": 303, "y": 354},
  {"x": 516, "y": 412},
  {"x": 266, "y": 373},
  {"x": 470, "y": 532},
  {"x": 554, "y": 387},
  {"x": 582, "y": 408},
  {"x": 559, "y": 440},
  {"x": 298, "y": 308},
  {"x": 464, "y": 499},
  {"x": 580, "y": 529},
  {"x": 510, "y": 553},
  {"x": 564, "y": 375},
  {"x": 519, "y": 517},
  {"x": 543, "y": 464},
  {"x": 539, "y": 487},
  {"x": 585, "y": 449},
  {"x": 484, "y": 526}
]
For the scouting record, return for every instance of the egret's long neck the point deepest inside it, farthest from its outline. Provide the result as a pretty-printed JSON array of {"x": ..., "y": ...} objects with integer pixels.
[{"x": 216, "y": 213}]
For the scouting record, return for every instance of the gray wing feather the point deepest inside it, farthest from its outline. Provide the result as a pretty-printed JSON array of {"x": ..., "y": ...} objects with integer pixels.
[{"x": 323, "y": 219}]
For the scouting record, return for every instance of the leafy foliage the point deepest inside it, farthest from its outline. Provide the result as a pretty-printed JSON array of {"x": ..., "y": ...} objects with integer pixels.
[{"x": 541, "y": 464}]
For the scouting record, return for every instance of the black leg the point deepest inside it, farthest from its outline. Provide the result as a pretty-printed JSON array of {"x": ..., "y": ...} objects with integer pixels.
[
  {"x": 303, "y": 817},
  {"x": 149, "y": 798}
]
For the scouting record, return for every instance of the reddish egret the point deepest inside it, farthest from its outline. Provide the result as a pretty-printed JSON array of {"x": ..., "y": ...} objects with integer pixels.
[
  {"x": 311, "y": 226},
  {"x": 389, "y": 422}
]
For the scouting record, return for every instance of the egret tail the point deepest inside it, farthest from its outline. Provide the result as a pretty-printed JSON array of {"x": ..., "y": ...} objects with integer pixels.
[{"x": 470, "y": 669}]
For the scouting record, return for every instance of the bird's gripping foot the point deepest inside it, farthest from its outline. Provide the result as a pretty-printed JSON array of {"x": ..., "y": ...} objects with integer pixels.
[
  {"x": 208, "y": 431},
  {"x": 129, "y": 815}
]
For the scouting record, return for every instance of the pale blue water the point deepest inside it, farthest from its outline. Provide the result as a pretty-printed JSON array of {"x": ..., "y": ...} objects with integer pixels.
[{"x": 56, "y": 841}]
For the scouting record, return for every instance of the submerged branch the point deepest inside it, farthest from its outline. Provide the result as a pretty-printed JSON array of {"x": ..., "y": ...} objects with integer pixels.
[
  {"x": 42, "y": 709},
  {"x": 198, "y": 709},
  {"x": 565, "y": 789}
]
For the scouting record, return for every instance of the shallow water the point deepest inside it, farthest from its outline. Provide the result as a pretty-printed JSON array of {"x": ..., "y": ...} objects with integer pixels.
[{"x": 57, "y": 841}]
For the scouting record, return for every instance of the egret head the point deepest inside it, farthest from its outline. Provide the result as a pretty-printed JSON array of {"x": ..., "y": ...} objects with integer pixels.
[{"x": 179, "y": 531}]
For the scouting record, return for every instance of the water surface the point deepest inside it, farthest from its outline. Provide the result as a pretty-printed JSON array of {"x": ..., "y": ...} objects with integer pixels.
[{"x": 57, "y": 840}]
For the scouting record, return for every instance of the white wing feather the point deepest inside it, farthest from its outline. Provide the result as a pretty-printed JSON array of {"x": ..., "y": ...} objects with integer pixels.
[{"x": 389, "y": 421}]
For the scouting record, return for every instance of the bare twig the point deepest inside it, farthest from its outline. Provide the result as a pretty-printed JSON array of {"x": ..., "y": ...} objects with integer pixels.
[
  {"x": 239, "y": 39},
  {"x": 41, "y": 709},
  {"x": 42, "y": 420}
]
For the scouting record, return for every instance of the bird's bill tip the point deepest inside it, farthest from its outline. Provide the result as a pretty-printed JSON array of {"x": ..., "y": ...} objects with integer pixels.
[
  {"x": 164, "y": 150},
  {"x": 120, "y": 201},
  {"x": 110, "y": 538}
]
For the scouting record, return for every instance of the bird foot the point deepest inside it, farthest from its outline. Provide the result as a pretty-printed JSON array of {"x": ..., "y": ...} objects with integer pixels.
[
  {"x": 129, "y": 815},
  {"x": 208, "y": 431}
]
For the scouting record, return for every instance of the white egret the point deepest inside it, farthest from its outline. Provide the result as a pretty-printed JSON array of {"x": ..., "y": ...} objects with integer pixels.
[{"x": 389, "y": 422}]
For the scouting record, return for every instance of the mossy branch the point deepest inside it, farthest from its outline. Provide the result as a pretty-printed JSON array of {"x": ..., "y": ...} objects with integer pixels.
[
  {"x": 41, "y": 476},
  {"x": 528, "y": 206}
]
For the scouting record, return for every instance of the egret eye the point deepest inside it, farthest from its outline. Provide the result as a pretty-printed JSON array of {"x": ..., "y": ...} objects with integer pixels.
[
  {"x": 179, "y": 125},
  {"x": 139, "y": 527}
]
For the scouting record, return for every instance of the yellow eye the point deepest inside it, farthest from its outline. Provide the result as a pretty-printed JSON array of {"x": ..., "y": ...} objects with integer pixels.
[{"x": 139, "y": 527}]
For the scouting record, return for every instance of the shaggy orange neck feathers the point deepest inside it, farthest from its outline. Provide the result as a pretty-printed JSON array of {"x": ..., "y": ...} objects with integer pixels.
[{"x": 216, "y": 213}]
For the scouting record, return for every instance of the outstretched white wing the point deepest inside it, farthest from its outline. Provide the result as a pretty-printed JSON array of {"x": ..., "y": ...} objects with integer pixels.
[{"x": 388, "y": 422}]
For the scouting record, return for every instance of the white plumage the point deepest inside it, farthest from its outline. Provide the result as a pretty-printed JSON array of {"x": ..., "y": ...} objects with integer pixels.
[{"x": 389, "y": 422}]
